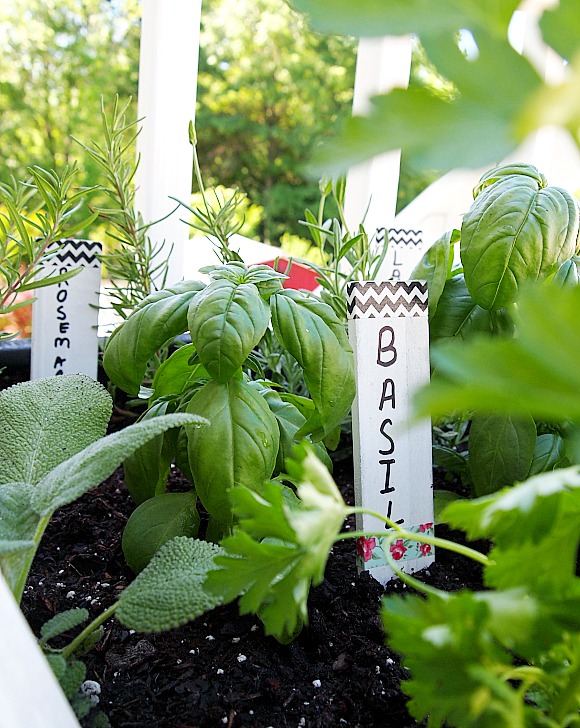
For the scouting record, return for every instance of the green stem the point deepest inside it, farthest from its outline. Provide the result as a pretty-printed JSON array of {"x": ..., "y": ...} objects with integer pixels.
[
  {"x": 89, "y": 629},
  {"x": 397, "y": 532},
  {"x": 420, "y": 537},
  {"x": 321, "y": 205},
  {"x": 568, "y": 698},
  {"x": 18, "y": 589}
]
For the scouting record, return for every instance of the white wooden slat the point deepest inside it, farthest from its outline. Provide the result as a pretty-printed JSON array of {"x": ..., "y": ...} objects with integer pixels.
[
  {"x": 393, "y": 474},
  {"x": 169, "y": 55},
  {"x": 30, "y": 696}
]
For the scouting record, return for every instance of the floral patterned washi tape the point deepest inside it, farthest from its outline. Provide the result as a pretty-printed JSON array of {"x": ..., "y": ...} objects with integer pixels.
[{"x": 371, "y": 551}]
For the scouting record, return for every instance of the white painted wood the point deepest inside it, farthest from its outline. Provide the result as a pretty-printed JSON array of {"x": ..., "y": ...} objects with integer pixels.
[
  {"x": 389, "y": 333},
  {"x": 30, "y": 696},
  {"x": 65, "y": 316},
  {"x": 405, "y": 249},
  {"x": 371, "y": 187},
  {"x": 169, "y": 55}
]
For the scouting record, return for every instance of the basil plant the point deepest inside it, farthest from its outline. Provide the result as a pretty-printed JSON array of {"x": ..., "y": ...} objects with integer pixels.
[
  {"x": 253, "y": 425},
  {"x": 518, "y": 231}
]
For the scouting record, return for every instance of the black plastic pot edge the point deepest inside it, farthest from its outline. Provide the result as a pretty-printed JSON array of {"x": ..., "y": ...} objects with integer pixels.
[{"x": 17, "y": 352}]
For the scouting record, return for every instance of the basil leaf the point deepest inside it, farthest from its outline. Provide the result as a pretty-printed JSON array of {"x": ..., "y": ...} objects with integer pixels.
[
  {"x": 328, "y": 366},
  {"x": 239, "y": 448},
  {"x": 158, "y": 319},
  {"x": 226, "y": 321},
  {"x": 515, "y": 232},
  {"x": 147, "y": 468},
  {"x": 501, "y": 448},
  {"x": 155, "y": 522},
  {"x": 457, "y": 315},
  {"x": 175, "y": 373},
  {"x": 435, "y": 266}
]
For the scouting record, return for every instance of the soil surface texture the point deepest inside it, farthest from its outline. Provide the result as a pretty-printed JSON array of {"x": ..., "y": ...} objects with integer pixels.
[{"x": 221, "y": 670}]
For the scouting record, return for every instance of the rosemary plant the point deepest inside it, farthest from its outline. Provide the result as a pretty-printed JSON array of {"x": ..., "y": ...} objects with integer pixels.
[
  {"x": 136, "y": 266},
  {"x": 34, "y": 216}
]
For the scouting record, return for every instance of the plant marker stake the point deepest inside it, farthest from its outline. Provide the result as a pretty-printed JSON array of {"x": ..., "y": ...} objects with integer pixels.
[
  {"x": 65, "y": 315},
  {"x": 389, "y": 332},
  {"x": 30, "y": 696}
]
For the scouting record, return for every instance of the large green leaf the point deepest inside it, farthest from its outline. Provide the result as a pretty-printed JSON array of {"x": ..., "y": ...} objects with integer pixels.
[
  {"x": 159, "y": 318},
  {"x": 480, "y": 125},
  {"x": 457, "y": 314},
  {"x": 175, "y": 373},
  {"x": 328, "y": 366},
  {"x": 42, "y": 423},
  {"x": 536, "y": 373},
  {"x": 147, "y": 468},
  {"x": 226, "y": 321},
  {"x": 239, "y": 448},
  {"x": 399, "y": 17},
  {"x": 515, "y": 232},
  {"x": 169, "y": 591},
  {"x": 155, "y": 522},
  {"x": 501, "y": 449},
  {"x": 83, "y": 471},
  {"x": 435, "y": 266}
]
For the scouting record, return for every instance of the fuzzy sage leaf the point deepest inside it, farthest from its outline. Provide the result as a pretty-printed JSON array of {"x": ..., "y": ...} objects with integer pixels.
[
  {"x": 169, "y": 591},
  {"x": 44, "y": 422},
  {"x": 71, "y": 479}
]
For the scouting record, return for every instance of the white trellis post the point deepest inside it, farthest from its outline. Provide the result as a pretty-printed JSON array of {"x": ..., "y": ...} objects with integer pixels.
[
  {"x": 389, "y": 333},
  {"x": 168, "y": 65},
  {"x": 372, "y": 186}
]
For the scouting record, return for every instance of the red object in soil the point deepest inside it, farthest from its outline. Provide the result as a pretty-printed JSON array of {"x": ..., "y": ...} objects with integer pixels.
[{"x": 300, "y": 277}]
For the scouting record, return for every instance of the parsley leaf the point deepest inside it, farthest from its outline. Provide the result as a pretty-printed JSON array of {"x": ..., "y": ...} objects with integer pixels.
[{"x": 279, "y": 549}]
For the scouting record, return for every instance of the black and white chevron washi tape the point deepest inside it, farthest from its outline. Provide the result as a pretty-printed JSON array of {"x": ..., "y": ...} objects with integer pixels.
[
  {"x": 73, "y": 253},
  {"x": 399, "y": 237},
  {"x": 387, "y": 299}
]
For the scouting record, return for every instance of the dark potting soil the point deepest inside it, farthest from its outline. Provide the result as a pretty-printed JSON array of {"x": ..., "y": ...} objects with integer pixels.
[{"x": 221, "y": 670}]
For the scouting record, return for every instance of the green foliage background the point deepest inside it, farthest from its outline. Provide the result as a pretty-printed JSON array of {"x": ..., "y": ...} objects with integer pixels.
[{"x": 269, "y": 90}]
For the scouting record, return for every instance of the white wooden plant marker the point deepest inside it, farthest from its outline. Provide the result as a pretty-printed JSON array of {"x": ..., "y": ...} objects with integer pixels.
[
  {"x": 389, "y": 333},
  {"x": 30, "y": 696},
  {"x": 65, "y": 316}
]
